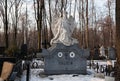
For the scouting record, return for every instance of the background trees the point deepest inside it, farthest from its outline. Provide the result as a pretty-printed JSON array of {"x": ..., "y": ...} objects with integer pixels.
[{"x": 95, "y": 26}]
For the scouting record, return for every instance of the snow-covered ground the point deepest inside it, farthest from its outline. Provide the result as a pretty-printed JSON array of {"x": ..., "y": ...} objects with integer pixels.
[
  {"x": 66, "y": 78},
  {"x": 35, "y": 75}
]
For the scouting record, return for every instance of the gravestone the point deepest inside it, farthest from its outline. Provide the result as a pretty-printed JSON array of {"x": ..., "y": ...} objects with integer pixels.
[
  {"x": 23, "y": 51},
  {"x": 111, "y": 53},
  {"x": 61, "y": 59},
  {"x": 96, "y": 53},
  {"x": 2, "y": 49},
  {"x": 65, "y": 56}
]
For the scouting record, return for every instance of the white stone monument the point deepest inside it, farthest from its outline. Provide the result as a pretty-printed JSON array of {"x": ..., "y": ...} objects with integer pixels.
[
  {"x": 62, "y": 29},
  {"x": 102, "y": 51}
]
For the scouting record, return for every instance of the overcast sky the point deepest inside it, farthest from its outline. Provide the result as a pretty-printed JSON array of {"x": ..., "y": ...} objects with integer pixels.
[{"x": 100, "y": 5}]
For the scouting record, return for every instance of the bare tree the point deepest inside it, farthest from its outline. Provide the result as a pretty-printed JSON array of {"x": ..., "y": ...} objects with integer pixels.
[
  {"x": 39, "y": 4},
  {"x": 62, "y": 6},
  {"x": 75, "y": 8},
  {"x": 70, "y": 3},
  {"x": 87, "y": 33},
  {"x": 5, "y": 10},
  {"x": 117, "y": 78},
  {"x": 92, "y": 14},
  {"x": 109, "y": 7},
  {"x": 4, "y": 13},
  {"x": 45, "y": 42},
  {"x": 50, "y": 20},
  {"x": 16, "y": 6},
  {"x": 80, "y": 22}
]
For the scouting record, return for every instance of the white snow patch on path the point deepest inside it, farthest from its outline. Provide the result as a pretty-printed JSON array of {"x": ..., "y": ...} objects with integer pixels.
[{"x": 66, "y": 78}]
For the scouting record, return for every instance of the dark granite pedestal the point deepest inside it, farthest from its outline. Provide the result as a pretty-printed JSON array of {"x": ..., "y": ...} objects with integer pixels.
[{"x": 61, "y": 59}]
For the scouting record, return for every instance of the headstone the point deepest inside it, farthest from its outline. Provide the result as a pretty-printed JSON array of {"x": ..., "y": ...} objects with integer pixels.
[
  {"x": 61, "y": 59},
  {"x": 23, "y": 50},
  {"x": 96, "y": 53},
  {"x": 111, "y": 53},
  {"x": 2, "y": 49}
]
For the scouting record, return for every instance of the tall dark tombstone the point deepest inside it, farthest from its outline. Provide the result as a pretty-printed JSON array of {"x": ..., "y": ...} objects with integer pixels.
[
  {"x": 111, "y": 53},
  {"x": 96, "y": 53},
  {"x": 24, "y": 50},
  {"x": 2, "y": 49}
]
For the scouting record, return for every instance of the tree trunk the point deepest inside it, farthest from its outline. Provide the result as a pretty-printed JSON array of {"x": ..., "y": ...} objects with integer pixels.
[
  {"x": 6, "y": 25},
  {"x": 44, "y": 29},
  {"x": 83, "y": 24},
  {"x": 80, "y": 23},
  {"x": 51, "y": 35},
  {"x": 92, "y": 14},
  {"x": 75, "y": 8},
  {"x": 25, "y": 29},
  {"x": 109, "y": 22},
  {"x": 39, "y": 21},
  {"x": 15, "y": 27},
  {"x": 87, "y": 37},
  {"x": 70, "y": 7},
  {"x": 39, "y": 34},
  {"x": 117, "y": 78},
  {"x": 62, "y": 6}
]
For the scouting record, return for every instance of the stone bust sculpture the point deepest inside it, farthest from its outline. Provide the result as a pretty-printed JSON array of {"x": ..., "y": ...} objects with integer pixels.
[{"x": 62, "y": 29}]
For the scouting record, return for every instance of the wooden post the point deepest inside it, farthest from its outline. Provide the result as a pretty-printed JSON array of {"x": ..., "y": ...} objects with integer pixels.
[{"x": 28, "y": 72}]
